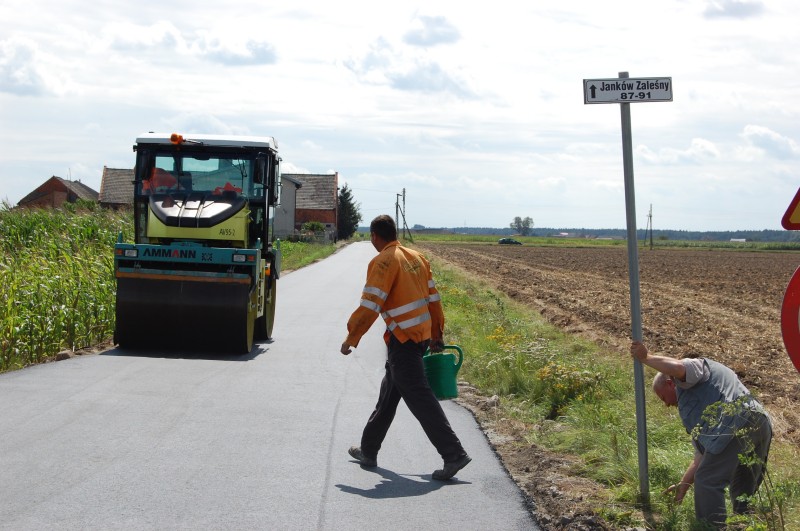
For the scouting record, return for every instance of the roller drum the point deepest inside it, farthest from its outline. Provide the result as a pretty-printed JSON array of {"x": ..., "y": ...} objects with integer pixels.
[{"x": 151, "y": 313}]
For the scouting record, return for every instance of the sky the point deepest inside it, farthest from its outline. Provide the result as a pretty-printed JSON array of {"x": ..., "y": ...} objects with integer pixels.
[{"x": 474, "y": 110}]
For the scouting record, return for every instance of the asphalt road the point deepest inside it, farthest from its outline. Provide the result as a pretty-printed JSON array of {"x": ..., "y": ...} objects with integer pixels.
[{"x": 154, "y": 440}]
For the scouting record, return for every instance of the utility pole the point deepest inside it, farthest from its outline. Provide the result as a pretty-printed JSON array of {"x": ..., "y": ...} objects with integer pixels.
[
  {"x": 404, "y": 211},
  {"x": 649, "y": 229},
  {"x": 401, "y": 211}
]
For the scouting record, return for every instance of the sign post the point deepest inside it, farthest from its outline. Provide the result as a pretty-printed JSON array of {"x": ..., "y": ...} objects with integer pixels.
[{"x": 624, "y": 91}]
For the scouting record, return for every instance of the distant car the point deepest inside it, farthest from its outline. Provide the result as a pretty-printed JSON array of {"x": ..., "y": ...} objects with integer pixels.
[{"x": 508, "y": 241}]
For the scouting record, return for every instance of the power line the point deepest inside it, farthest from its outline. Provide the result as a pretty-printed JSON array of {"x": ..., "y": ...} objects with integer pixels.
[{"x": 371, "y": 190}]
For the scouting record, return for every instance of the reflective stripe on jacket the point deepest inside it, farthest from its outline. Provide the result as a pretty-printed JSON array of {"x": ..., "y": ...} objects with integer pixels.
[{"x": 399, "y": 288}]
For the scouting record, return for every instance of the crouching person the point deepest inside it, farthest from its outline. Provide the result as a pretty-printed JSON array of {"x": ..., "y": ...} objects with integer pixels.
[{"x": 725, "y": 422}]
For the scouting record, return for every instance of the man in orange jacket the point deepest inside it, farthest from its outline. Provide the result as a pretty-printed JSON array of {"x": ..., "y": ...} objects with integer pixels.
[{"x": 401, "y": 289}]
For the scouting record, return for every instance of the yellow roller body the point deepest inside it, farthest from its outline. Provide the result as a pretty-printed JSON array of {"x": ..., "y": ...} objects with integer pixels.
[{"x": 232, "y": 229}]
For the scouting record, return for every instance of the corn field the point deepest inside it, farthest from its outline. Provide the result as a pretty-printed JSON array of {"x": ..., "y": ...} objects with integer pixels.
[{"x": 57, "y": 283}]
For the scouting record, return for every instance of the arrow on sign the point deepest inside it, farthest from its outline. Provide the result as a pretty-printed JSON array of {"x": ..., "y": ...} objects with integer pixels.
[{"x": 593, "y": 89}]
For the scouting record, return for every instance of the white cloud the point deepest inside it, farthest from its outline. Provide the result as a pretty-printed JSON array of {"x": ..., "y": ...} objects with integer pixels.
[
  {"x": 23, "y": 70},
  {"x": 734, "y": 8},
  {"x": 251, "y": 52},
  {"x": 17, "y": 72},
  {"x": 480, "y": 113},
  {"x": 429, "y": 78},
  {"x": 198, "y": 122},
  {"x": 431, "y": 31},
  {"x": 699, "y": 151},
  {"x": 161, "y": 36},
  {"x": 406, "y": 69},
  {"x": 770, "y": 143},
  {"x": 162, "y": 41},
  {"x": 288, "y": 167},
  {"x": 554, "y": 181}
]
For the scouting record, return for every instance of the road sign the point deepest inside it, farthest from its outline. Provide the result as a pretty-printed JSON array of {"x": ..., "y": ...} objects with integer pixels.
[
  {"x": 790, "y": 319},
  {"x": 627, "y": 90},
  {"x": 791, "y": 219}
]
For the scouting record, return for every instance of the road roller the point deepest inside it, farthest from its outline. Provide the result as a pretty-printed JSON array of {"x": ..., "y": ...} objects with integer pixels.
[{"x": 202, "y": 269}]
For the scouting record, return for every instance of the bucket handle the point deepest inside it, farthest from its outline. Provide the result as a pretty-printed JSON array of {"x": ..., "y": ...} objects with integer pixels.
[{"x": 450, "y": 347}]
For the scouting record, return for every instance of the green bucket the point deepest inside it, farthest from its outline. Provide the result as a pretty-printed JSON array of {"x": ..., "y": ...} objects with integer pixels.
[{"x": 441, "y": 369}]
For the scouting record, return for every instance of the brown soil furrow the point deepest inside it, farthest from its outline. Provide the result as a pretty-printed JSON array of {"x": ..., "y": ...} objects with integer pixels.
[{"x": 721, "y": 304}]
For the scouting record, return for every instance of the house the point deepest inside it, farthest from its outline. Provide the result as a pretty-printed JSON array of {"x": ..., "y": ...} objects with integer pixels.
[
  {"x": 284, "y": 221},
  {"x": 57, "y": 191},
  {"x": 318, "y": 200},
  {"x": 116, "y": 188}
]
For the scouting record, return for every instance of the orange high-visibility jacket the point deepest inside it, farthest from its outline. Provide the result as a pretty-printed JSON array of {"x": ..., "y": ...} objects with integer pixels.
[{"x": 401, "y": 289}]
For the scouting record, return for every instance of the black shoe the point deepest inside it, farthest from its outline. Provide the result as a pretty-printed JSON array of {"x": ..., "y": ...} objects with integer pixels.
[
  {"x": 369, "y": 462},
  {"x": 451, "y": 468}
]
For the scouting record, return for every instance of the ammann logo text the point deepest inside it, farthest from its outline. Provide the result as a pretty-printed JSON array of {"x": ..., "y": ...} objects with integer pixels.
[{"x": 170, "y": 253}]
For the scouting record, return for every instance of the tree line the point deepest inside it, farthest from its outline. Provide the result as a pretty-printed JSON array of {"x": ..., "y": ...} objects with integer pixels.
[{"x": 641, "y": 234}]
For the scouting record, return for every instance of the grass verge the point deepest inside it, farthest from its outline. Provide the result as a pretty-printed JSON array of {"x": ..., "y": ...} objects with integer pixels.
[{"x": 295, "y": 255}]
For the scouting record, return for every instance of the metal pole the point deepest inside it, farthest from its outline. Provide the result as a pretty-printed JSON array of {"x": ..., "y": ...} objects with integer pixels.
[
  {"x": 404, "y": 212},
  {"x": 397, "y": 211},
  {"x": 636, "y": 310}
]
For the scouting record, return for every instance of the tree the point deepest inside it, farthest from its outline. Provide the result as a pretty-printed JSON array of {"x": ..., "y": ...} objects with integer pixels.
[
  {"x": 313, "y": 226},
  {"x": 349, "y": 215},
  {"x": 522, "y": 226}
]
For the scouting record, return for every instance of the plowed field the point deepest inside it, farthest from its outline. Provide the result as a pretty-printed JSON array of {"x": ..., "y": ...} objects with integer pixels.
[{"x": 721, "y": 304}]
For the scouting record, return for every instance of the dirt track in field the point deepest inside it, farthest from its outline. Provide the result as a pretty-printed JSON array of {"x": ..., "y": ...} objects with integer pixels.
[{"x": 720, "y": 304}]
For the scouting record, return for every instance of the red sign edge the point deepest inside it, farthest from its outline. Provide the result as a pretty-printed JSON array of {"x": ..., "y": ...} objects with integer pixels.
[
  {"x": 790, "y": 319},
  {"x": 786, "y": 221}
]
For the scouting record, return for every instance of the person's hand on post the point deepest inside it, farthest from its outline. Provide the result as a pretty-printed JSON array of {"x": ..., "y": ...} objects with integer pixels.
[
  {"x": 345, "y": 349},
  {"x": 638, "y": 350}
]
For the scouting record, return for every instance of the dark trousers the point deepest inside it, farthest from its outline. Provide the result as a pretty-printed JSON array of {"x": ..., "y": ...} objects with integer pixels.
[
  {"x": 725, "y": 469},
  {"x": 405, "y": 378}
]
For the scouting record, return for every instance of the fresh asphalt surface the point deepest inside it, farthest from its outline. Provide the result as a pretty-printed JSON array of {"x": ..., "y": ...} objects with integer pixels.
[{"x": 155, "y": 440}]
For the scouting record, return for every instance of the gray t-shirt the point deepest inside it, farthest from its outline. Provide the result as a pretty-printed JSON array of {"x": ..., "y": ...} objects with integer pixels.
[
  {"x": 714, "y": 404},
  {"x": 696, "y": 372}
]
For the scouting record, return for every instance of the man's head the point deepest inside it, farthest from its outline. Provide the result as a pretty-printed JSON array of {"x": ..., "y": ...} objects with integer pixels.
[
  {"x": 382, "y": 230},
  {"x": 664, "y": 388}
]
